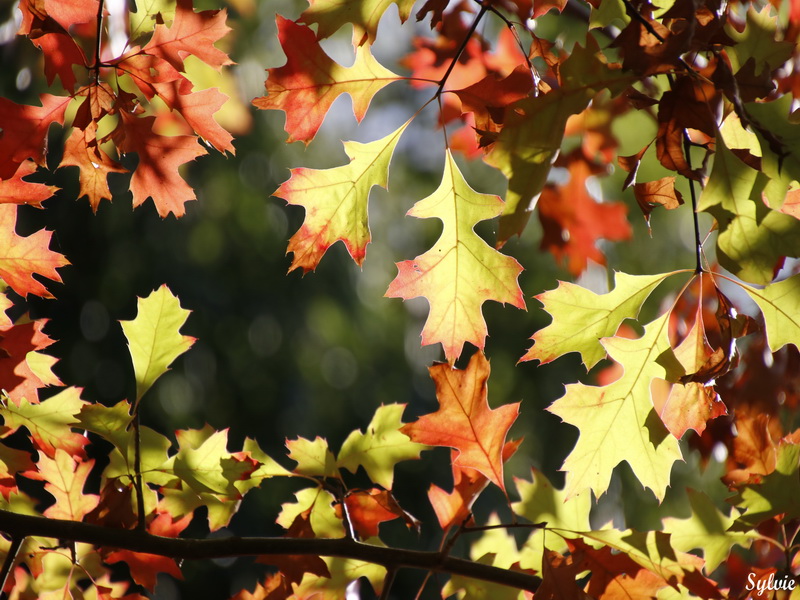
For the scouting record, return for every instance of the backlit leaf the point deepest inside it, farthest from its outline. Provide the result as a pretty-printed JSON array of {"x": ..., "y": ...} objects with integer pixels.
[
  {"x": 336, "y": 201},
  {"x": 780, "y": 304},
  {"x": 307, "y": 85},
  {"x": 582, "y": 318},
  {"x": 154, "y": 339},
  {"x": 617, "y": 422},
  {"x": 461, "y": 271},
  {"x": 380, "y": 447},
  {"x": 464, "y": 420}
]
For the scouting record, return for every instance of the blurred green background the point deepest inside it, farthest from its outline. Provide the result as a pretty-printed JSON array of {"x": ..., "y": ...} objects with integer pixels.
[{"x": 280, "y": 356}]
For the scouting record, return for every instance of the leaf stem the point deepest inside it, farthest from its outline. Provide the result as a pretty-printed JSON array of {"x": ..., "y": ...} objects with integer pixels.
[{"x": 8, "y": 563}]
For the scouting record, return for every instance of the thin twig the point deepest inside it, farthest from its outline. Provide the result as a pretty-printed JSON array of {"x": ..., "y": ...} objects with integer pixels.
[
  {"x": 461, "y": 48},
  {"x": 98, "y": 38},
  {"x": 137, "y": 471},
  {"x": 387, "y": 583},
  {"x": 8, "y": 563},
  {"x": 698, "y": 241}
]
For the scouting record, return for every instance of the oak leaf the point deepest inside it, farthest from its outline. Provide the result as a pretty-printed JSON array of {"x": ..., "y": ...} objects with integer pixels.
[
  {"x": 366, "y": 509},
  {"x": 780, "y": 304},
  {"x": 307, "y": 85},
  {"x": 65, "y": 478},
  {"x": 22, "y": 257},
  {"x": 24, "y": 368},
  {"x": 154, "y": 340},
  {"x": 461, "y": 271},
  {"x": 145, "y": 567},
  {"x": 336, "y": 201},
  {"x": 156, "y": 176},
  {"x": 464, "y": 420},
  {"x": 582, "y": 318},
  {"x": 18, "y": 190},
  {"x": 617, "y": 422},
  {"x": 364, "y": 15},
  {"x": 49, "y": 422},
  {"x": 25, "y": 131},
  {"x": 191, "y": 34},
  {"x": 380, "y": 447},
  {"x": 651, "y": 194}
]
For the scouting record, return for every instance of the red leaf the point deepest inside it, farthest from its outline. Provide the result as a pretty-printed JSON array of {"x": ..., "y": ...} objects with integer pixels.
[
  {"x": 24, "y": 130},
  {"x": 573, "y": 221},
  {"x": 19, "y": 191},
  {"x": 464, "y": 420},
  {"x": 144, "y": 567},
  {"x": 21, "y": 257},
  {"x": 368, "y": 509},
  {"x": 83, "y": 151},
  {"x": 198, "y": 109},
  {"x": 307, "y": 85},
  {"x": 191, "y": 34},
  {"x": 19, "y": 381},
  {"x": 157, "y": 175}
]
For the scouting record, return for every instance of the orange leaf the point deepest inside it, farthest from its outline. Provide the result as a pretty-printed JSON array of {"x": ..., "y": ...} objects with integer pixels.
[
  {"x": 306, "y": 86},
  {"x": 191, "y": 34},
  {"x": 157, "y": 175},
  {"x": 145, "y": 567},
  {"x": 19, "y": 191},
  {"x": 65, "y": 478},
  {"x": 198, "y": 108},
  {"x": 464, "y": 420},
  {"x": 16, "y": 343},
  {"x": 21, "y": 257},
  {"x": 82, "y": 150},
  {"x": 368, "y": 509}
]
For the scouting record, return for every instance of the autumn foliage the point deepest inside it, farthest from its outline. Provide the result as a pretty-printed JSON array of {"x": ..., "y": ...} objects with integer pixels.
[{"x": 690, "y": 104}]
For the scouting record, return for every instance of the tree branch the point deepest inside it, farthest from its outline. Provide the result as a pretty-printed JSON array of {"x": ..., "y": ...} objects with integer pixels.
[{"x": 19, "y": 526}]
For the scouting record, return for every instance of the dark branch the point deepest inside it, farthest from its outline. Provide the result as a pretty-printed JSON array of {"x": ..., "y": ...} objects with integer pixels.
[{"x": 18, "y": 526}]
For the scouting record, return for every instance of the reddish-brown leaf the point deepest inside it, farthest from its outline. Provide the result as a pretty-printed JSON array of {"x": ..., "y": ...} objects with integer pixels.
[
  {"x": 464, "y": 420},
  {"x": 144, "y": 567},
  {"x": 24, "y": 130},
  {"x": 16, "y": 342},
  {"x": 573, "y": 221},
  {"x": 366, "y": 509},
  {"x": 20, "y": 191},
  {"x": 307, "y": 85},
  {"x": 160, "y": 156},
  {"x": 191, "y": 34},
  {"x": 558, "y": 578},
  {"x": 83, "y": 151},
  {"x": 651, "y": 194},
  {"x": 22, "y": 257}
]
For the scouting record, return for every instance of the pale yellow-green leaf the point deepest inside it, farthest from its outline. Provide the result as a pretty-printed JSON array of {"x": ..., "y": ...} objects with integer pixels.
[
  {"x": 617, "y": 422},
  {"x": 154, "y": 340},
  {"x": 540, "y": 502},
  {"x": 313, "y": 457},
  {"x": 319, "y": 504},
  {"x": 707, "y": 530},
  {"x": 582, "y": 318},
  {"x": 381, "y": 447},
  {"x": 780, "y": 304}
]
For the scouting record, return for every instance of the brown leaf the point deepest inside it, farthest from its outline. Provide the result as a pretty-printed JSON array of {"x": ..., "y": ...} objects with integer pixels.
[{"x": 652, "y": 194}]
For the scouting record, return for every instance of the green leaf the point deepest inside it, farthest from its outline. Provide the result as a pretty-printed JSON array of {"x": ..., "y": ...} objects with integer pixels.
[
  {"x": 534, "y": 129},
  {"x": 617, "y": 422},
  {"x": 780, "y": 304},
  {"x": 318, "y": 505},
  {"x": 540, "y": 502},
  {"x": 582, "y": 318},
  {"x": 364, "y": 15},
  {"x": 313, "y": 458},
  {"x": 707, "y": 529},
  {"x": 776, "y": 494},
  {"x": 461, "y": 271},
  {"x": 268, "y": 467},
  {"x": 760, "y": 41},
  {"x": 381, "y": 447},
  {"x": 336, "y": 201},
  {"x": 49, "y": 422},
  {"x": 153, "y": 337},
  {"x": 113, "y": 424}
]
